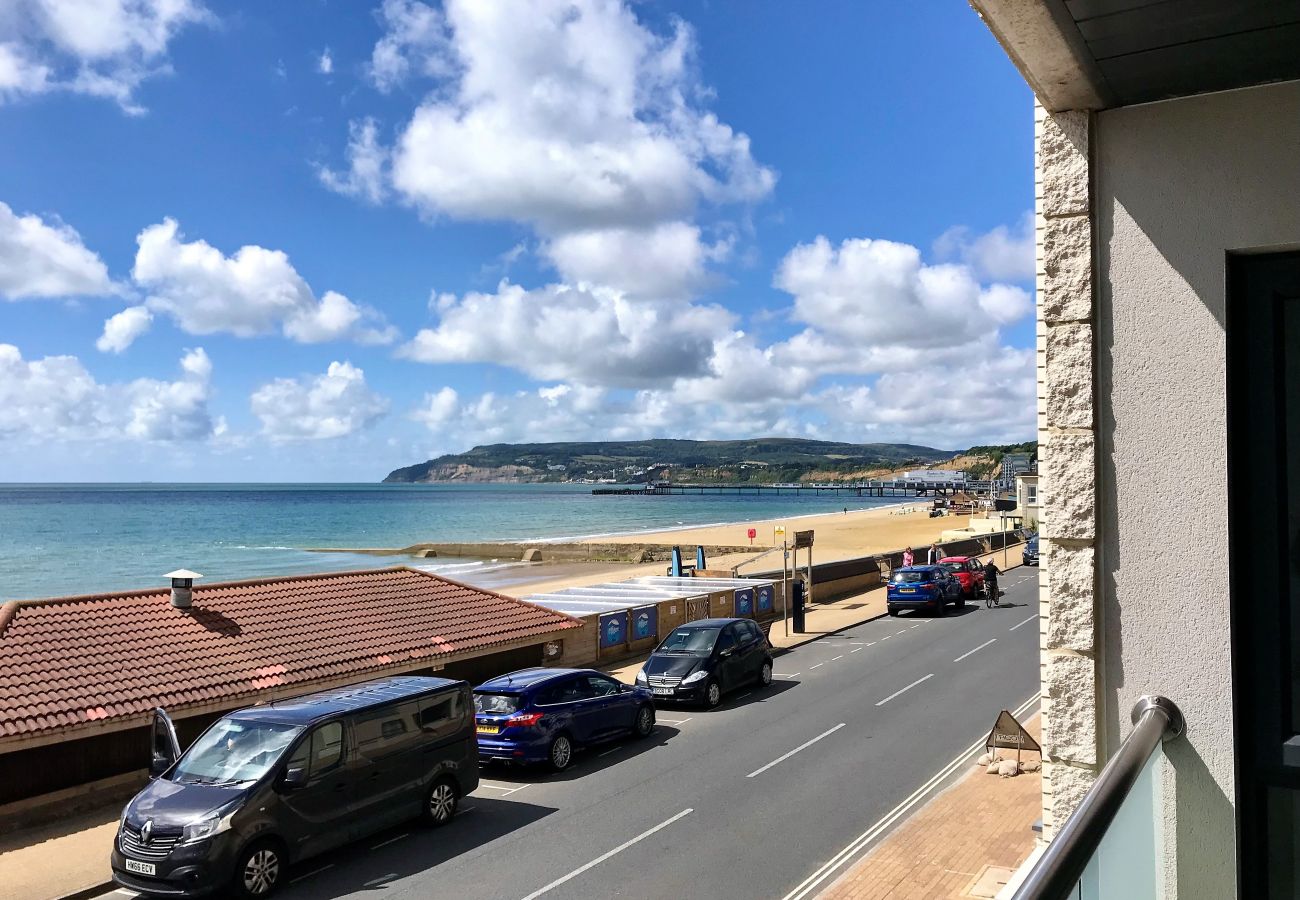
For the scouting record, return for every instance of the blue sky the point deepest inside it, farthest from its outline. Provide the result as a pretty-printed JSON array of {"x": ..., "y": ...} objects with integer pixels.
[{"x": 317, "y": 240}]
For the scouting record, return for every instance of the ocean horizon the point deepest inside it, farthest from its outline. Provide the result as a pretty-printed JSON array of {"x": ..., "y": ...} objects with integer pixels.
[{"x": 68, "y": 538}]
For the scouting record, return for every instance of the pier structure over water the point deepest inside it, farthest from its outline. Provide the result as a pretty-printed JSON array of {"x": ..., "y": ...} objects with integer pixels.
[{"x": 898, "y": 488}]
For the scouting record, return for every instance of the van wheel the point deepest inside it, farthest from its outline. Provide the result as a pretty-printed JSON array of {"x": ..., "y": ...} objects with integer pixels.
[
  {"x": 561, "y": 753},
  {"x": 765, "y": 673},
  {"x": 259, "y": 870},
  {"x": 645, "y": 721},
  {"x": 941, "y": 608},
  {"x": 961, "y": 601},
  {"x": 440, "y": 805}
]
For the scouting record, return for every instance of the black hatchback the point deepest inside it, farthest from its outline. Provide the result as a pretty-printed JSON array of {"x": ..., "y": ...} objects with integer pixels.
[{"x": 702, "y": 660}]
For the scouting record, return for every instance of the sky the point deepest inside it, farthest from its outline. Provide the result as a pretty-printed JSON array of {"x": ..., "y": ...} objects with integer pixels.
[{"x": 315, "y": 240}]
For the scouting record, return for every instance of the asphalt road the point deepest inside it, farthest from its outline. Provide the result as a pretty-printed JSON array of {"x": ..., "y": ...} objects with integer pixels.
[{"x": 749, "y": 800}]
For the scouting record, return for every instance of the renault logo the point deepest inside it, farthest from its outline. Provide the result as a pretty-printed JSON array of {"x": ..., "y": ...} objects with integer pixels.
[{"x": 146, "y": 833}]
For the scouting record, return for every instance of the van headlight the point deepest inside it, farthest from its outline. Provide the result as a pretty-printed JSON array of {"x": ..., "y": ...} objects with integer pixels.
[
  {"x": 695, "y": 677},
  {"x": 206, "y": 828},
  {"x": 641, "y": 677}
]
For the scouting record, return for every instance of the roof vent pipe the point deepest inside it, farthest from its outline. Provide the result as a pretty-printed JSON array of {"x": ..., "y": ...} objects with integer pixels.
[{"x": 182, "y": 587}]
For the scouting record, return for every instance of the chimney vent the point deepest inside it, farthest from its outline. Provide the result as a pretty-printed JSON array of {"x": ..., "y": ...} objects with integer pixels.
[{"x": 182, "y": 587}]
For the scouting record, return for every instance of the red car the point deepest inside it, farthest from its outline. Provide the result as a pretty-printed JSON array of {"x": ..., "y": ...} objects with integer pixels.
[{"x": 968, "y": 570}]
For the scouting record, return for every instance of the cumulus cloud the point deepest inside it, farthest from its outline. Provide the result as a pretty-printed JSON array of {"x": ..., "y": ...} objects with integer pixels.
[
  {"x": 253, "y": 292},
  {"x": 121, "y": 330},
  {"x": 56, "y": 398},
  {"x": 325, "y": 62},
  {"x": 367, "y": 164},
  {"x": 559, "y": 332},
  {"x": 1001, "y": 254},
  {"x": 102, "y": 48},
  {"x": 869, "y": 305},
  {"x": 332, "y": 405},
  {"x": 416, "y": 39},
  {"x": 575, "y": 119},
  {"x": 45, "y": 259}
]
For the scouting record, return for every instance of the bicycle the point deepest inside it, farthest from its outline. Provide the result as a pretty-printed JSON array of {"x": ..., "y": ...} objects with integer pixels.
[{"x": 991, "y": 594}]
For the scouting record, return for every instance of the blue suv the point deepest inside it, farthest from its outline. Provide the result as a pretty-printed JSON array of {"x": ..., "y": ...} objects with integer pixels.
[
  {"x": 542, "y": 715},
  {"x": 928, "y": 587}
]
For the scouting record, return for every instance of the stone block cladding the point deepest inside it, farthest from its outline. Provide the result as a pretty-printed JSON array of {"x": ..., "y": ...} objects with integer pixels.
[{"x": 1067, "y": 460}]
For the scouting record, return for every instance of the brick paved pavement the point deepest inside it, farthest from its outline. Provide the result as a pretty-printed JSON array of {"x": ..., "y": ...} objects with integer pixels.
[{"x": 941, "y": 850}]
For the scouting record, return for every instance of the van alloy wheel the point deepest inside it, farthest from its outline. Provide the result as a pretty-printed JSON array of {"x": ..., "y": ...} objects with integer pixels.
[
  {"x": 765, "y": 673},
  {"x": 561, "y": 753},
  {"x": 261, "y": 872},
  {"x": 442, "y": 803}
]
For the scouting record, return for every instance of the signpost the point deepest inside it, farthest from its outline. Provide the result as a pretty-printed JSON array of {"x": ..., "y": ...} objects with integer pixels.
[
  {"x": 1009, "y": 734},
  {"x": 785, "y": 585},
  {"x": 753, "y": 533},
  {"x": 1003, "y": 505}
]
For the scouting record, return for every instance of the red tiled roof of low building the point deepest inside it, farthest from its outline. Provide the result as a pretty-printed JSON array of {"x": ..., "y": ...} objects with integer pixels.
[{"x": 106, "y": 658}]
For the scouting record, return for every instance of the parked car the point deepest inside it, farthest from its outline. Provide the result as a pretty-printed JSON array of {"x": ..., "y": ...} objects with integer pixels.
[
  {"x": 543, "y": 715},
  {"x": 702, "y": 660},
  {"x": 968, "y": 570},
  {"x": 923, "y": 587},
  {"x": 1029, "y": 556},
  {"x": 267, "y": 786}
]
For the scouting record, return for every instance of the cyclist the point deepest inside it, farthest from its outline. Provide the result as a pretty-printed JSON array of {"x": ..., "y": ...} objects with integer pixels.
[{"x": 991, "y": 571}]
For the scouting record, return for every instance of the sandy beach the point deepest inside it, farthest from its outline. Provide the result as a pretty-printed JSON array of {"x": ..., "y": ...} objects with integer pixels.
[{"x": 836, "y": 536}]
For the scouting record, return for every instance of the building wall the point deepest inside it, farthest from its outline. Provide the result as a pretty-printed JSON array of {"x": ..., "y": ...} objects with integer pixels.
[{"x": 1178, "y": 185}]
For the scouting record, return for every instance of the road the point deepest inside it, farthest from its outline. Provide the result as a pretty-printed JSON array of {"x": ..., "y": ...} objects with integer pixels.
[{"x": 749, "y": 800}]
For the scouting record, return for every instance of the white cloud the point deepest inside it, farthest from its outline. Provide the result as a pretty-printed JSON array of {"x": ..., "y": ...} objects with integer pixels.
[
  {"x": 102, "y": 48},
  {"x": 415, "y": 37},
  {"x": 575, "y": 119},
  {"x": 438, "y": 408},
  {"x": 332, "y": 405},
  {"x": 325, "y": 63},
  {"x": 559, "y": 332},
  {"x": 56, "y": 398},
  {"x": 870, "y": 305},
  {"x": 253, "y": 292},
  {"x": 40, "y": 259},
  {"x": 665, "y": 261},
  {"x": 1001, "y": 254},
  {"x": 367, "y": 164},
  {"x": 121, "y": 330}
]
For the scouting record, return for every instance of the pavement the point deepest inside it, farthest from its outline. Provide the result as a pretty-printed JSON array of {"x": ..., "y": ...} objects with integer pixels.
[
  {"x": 965, "y": 842},
  {"x": 755, "y": 798}
]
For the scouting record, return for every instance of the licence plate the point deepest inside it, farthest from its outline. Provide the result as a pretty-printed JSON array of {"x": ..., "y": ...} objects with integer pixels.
[
  {"x": 489, "y": 729},
  {"x": 141, "y": 868},
  {"x": 907, "y": 590},
  {"x": 663, "y": 692}
]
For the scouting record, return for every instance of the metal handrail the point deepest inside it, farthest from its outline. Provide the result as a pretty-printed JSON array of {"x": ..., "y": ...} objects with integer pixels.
[{"x": 1057, "y": 872}]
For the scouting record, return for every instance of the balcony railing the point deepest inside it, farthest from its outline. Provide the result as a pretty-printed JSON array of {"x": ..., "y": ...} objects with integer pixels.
[{"x": 1110, "y": 846}]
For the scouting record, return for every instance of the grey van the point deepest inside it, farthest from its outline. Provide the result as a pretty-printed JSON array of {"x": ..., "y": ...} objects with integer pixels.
[{"x": 269, "y": 785}]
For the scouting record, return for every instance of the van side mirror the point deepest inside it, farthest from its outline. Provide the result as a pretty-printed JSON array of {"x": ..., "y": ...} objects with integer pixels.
[{"x": 293, "y": 779}]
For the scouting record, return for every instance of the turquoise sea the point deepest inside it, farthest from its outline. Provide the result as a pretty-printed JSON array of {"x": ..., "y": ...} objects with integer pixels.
[{"x": 58, "y": 539}]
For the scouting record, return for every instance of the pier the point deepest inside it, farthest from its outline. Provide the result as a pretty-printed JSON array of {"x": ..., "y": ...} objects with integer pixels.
[{"x": 855, "y": 489}]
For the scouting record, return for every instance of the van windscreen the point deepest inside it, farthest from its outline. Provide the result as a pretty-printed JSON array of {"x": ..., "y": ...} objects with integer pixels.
[
  {"x": 233, "y": 751},
  {"x": 497, "y": 704}
]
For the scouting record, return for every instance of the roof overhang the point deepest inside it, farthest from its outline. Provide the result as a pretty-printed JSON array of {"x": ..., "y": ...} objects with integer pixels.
[{"x": 1098, "y": 54}]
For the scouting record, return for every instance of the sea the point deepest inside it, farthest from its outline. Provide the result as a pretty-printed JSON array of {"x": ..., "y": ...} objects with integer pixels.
[{"x": 62, "y": 539}]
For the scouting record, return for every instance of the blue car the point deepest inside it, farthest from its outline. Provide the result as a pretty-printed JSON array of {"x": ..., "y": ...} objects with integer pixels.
[
  {"x": 1029, "y": 556},
  {"x": 543, "y": 715},
  {"x": 923, "y": 587}
]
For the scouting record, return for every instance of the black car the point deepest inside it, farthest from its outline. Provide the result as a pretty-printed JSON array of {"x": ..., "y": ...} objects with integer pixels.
[
  {"x": 266, "y": 786},
  {"x": 702, "y": 660},
  {"x": 1029, "y": 556}
]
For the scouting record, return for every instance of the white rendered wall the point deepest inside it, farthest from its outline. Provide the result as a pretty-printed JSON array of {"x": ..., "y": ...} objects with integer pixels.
[{"x": 1177, "y": 185}]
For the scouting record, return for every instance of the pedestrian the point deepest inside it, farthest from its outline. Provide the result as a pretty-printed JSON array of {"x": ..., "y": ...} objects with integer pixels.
[
  {"x": 907, "y": 557},
  {"x": 934, "y": 555},
  {"x": 846, "y": 510}
]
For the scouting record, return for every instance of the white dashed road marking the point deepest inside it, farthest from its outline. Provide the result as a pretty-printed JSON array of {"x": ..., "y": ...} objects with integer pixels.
[
  {"x": 969, "y": 652},
  {"x": 1026, "y": 622},
  {"x": 804, "y": 746},
  {"x": 906, "y": 689}
]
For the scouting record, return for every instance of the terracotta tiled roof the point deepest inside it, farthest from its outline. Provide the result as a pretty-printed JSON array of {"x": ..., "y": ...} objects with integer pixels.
[{"x": 73, "y": 661}]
